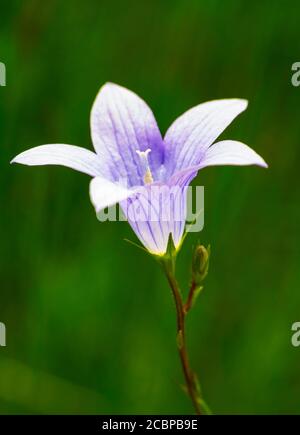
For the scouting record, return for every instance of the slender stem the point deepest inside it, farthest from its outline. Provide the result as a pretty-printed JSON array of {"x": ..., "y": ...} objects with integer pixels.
[
  {"x": 189, "y": 375},
  {"x": 188, "y": 305}
]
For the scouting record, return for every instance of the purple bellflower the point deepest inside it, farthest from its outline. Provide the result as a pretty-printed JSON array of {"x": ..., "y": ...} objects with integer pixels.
[{"x": 131, "y": 158}]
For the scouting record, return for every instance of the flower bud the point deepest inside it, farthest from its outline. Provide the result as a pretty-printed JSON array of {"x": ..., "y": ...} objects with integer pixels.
[{"x": 200, "y": 263}]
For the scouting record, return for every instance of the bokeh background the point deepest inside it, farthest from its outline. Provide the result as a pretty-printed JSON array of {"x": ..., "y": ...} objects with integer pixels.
[{"x": 90, "y": 319}]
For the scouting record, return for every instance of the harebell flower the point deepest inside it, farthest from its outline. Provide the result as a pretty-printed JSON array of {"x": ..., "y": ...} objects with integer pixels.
[{"x": 148, "y": 175}]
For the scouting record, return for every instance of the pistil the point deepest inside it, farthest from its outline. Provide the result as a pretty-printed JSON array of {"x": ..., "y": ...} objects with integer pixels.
[{"x": 148, "y": 179}]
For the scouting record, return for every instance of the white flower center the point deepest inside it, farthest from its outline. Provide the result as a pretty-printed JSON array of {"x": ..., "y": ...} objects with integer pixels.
[{"x": 148, "y": 179}]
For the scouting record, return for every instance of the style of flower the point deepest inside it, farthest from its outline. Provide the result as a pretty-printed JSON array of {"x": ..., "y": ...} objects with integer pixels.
[{"x": 131, "y": 158}]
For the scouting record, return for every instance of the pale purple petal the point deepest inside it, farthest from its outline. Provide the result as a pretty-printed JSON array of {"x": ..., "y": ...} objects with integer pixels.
[
  {"x": 227, "y": 152},
  {"x": 156, "y": 212},
  {"x": 105, "y": 193},
  {"x": 142, "y": 214},
  {"x": 191, "y": 134},
  {"x": 230, "y": 152},
  {"x": 71, "y": 156},
  {"x": 121, "y": 123},
  {"x": 181, "y": 182},
  {"x": 222, "y": 153}
]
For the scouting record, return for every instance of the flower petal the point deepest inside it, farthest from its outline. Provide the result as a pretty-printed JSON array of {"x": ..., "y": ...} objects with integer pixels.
[
  {"x": 104, "y": 193},
  {"x": 71, "y": 156},
  {"x": 191, "y": 134},
  {"x": 226, "y": 152},
  {"x": 155, "y": 212},
  {"x": 121, "y": 123},
  {"x": 142, "y": 214},
  {"x": 231, "y": 152}
]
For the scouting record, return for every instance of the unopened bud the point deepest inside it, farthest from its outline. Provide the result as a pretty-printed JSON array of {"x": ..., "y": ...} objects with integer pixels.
[{"x": 200, "y": 263}]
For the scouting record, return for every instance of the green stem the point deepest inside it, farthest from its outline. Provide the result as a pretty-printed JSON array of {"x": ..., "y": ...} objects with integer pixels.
[
  {"x": 190, "y": 377},
  {"x": 188, "y": 305}
]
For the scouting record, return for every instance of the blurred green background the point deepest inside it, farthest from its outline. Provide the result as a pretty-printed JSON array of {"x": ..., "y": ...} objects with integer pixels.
[{"x": 90, "y": 319}]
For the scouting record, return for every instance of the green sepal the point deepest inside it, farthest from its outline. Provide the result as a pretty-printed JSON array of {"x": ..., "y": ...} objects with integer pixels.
[
  {"x": 168, "y": 259},
  {"x": 171, "y": 250}
]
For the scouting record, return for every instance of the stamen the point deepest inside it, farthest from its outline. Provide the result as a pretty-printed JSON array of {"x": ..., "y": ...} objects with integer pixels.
[{"x": 148, "y": 179}]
